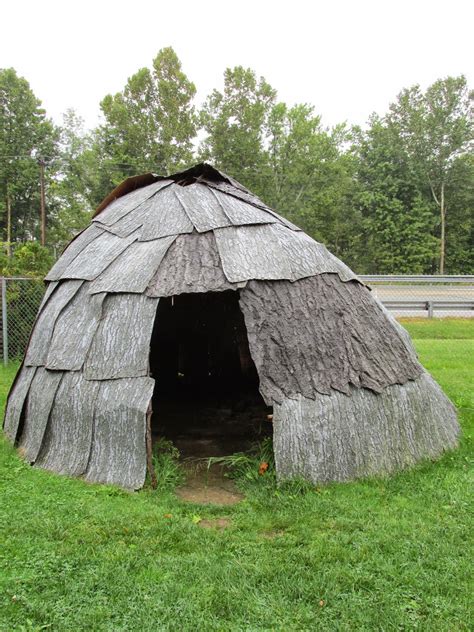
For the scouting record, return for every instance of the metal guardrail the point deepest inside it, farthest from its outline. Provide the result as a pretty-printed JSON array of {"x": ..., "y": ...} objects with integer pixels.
[
  {"x": 416, "y": 278},
  {"x": 413, "y": 294},
  {"x": 430, "y": 306}
]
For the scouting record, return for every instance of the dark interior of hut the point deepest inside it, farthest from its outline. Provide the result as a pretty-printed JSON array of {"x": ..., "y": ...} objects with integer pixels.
[{"x": 206, "y": 397}]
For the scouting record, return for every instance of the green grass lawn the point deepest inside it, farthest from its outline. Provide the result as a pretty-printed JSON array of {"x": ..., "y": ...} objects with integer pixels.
[{"x": 380, "y": 554}]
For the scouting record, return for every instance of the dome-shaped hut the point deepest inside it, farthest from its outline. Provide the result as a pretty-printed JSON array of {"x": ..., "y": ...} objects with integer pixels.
[{"x": 189, "y": 285}]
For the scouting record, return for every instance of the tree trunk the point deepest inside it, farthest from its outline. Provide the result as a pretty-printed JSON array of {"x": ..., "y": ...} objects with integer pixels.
[{"x": 442, "y": 208}]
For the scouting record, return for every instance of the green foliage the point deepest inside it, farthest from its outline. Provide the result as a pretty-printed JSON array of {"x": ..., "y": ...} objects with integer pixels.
[
  {"x": 149, "y": 126},
  {"x": 236, "y": 125},
  {"x": 437, "y": 130},
  {"x": 28, "y": 259},
  {"x": 244, "y": 467},
  {"x": 69, "y": 207},
  {"x": 166, "y": 464},
  {"x": 378, "y": 553},
  {"x": 398, "y": 221},
  {"x": 25, "y": 136}
]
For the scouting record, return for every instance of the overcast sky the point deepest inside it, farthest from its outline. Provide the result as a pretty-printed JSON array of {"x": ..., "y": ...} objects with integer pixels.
[{"x": 347, "y": 58}]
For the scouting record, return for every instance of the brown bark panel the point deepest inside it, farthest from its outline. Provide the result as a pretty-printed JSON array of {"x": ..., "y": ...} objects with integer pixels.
[{"x": 318, "y": 335}]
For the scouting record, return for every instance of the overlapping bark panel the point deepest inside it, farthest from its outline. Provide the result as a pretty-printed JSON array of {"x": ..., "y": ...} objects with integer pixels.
[
  {"x": 202, "y": 207},
  {"x": 50, "y": 287},
  {"x": 320, "y": 334},
  {"x": 120, "y": 347},
  {"x": 127, "y": 203},
  {"x": 165, "y": 216},
  {"x": 134, "y": 268},
  {"x": 244, "y": 195},
  {"x": 43, "y": 329},
  {"x": 241, "y": 213},
  {"x": 118, "y": 454},
  {"x": 66, "y": 444},
  {"x": 76, "y": 246},
  {"x": 38, "y": 407},
  {"x": 273, "y": 252},
  {"x": 74, "y": 330},
  {"x": 192, "y": 264},
  {"x": 16, "y": 401},
  {"x": 97, "y": 256},
  {"x": 339, "y": 437}
]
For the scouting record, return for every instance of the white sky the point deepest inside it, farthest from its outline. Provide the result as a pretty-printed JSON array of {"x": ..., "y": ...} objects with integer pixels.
[{"x": 346, "y": 58}]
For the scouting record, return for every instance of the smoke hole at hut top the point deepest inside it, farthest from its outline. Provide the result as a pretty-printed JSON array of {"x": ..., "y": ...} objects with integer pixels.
[{"x": 206, "y": 397}]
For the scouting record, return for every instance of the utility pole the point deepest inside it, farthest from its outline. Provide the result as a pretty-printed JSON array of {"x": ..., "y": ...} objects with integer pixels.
[{"x": 42, "y": 202}]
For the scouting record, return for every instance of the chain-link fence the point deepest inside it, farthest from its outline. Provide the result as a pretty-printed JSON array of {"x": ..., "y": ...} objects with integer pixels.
[
  {"x": 21, "y": 298},
  {"x": 404, "y": 295},
  {"x": 425, "y": 296}
]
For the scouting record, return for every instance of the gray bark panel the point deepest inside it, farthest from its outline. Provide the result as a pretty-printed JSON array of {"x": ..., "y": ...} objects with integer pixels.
[
  {"x": 248, "y": 197},
  {"x": 16, "y": 400},
  {"x": 38, "y": 407},
  {"x": 133, "y": 269},
  {"x": 120, "y": 347},
  {"x": 50, "y": 287},
  {"x": 97, "y": 256},
  {"x": 127, "y": 203},
  {"x": 272, "y": 251},
  {"x": 240, "y": 212},
  {"x": 44, "y": 326},
  {"x": 202, "y": 207},
  {"x": 118, "y": 454},
  {"x": 165, "y": 216},
  {"x": 67, "y": 441},
  {"x": 76, "y": 246},
  {"x": 192, "y": 264},
  {"x": 320, "y": 334},
  {"x": 74, "y": 330},
  {"x": 340, "y": 438}
]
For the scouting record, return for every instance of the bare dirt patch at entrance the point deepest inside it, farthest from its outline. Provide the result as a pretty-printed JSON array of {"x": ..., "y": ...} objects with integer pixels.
[{"x": 208, "y": 485}]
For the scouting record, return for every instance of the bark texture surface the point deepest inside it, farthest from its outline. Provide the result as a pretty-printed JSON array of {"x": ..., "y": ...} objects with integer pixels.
[
  {"x": 38, "y": 407},
  {"x": 120, "y": 347},
  {"x": 73, "y": 331},
  {"x": 132, "y": 271},
  {"x": 191, "y": 265},
  {"x": 350, "y": 397},
  {"x": 43, "y": 329},
  {"x": 273, "y": 252},
  {"x": 16, "y": 401},
  {"x": 318, "y": 335},
  {"x": 76, "y": 246},
  {"x": 339, "y": 437},
  {"x": 118, "y": 454},
  {"x": 68, "y": 437}
]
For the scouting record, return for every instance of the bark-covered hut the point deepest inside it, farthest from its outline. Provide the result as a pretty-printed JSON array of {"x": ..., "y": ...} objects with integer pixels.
[{"x": 189, "y": 284}]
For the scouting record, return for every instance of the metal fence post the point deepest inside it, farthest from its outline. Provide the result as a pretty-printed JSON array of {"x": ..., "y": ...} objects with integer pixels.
[
  {"x": 430, "y": 309},
  {"x": 4, "y": 321}
]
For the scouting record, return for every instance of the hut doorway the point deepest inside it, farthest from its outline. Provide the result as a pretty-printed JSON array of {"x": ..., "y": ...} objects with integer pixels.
[{"x": 206, "y": 397}]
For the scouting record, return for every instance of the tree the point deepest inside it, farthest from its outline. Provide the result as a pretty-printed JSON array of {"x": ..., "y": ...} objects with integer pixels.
[
  {"x": 69, "y": 191},
  {"x": 26, "y": 135},
  {"x": 437, "y": 128},
  {"x": 150, "y": 125},
  {"x": 236, "y": 124},
  {"x": 311, "y": 176},
  {"x": 398, "y": 219}
]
